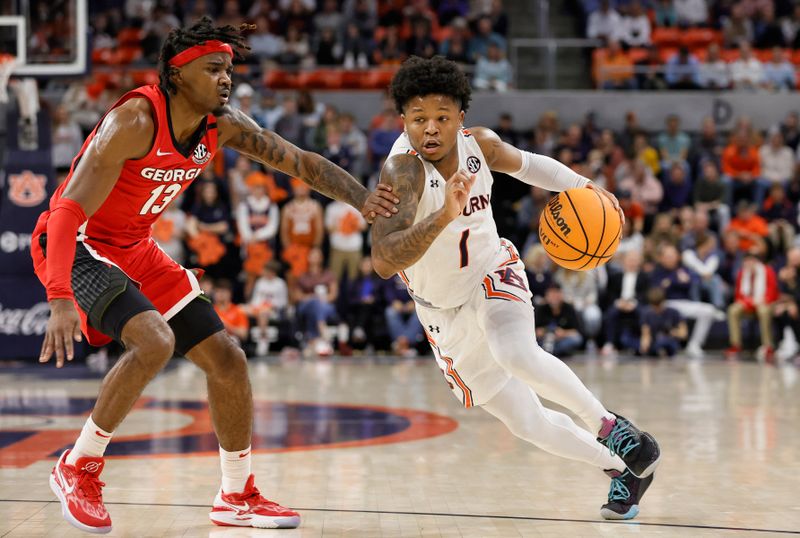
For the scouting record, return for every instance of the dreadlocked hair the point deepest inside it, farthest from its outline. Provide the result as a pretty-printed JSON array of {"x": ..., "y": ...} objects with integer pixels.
[
  {"x": 418, "y": 77},
  {"x": 180, "y": 39}
]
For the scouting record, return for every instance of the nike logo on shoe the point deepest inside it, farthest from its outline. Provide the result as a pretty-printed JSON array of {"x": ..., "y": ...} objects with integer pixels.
[
  {"x": 160, "y": 154},
  {"x": 239, "y": 508}
]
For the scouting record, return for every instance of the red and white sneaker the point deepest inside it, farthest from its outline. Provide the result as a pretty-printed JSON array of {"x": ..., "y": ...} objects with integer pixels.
[
  {"x": 80, "y": 491},
  {"x": 250, "y": 509}
]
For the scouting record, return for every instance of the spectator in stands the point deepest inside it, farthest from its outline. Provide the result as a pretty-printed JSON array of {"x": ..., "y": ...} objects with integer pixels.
[
  {"x": 624, "y": 297},
  {"x": 582, "y": 290},
  {"x": 673, "y": 144},
  {"x": 633, "y": 211},
  {"x": 693, "y": 228},
  {"x": 243, "y": 100},
  {"x": 747, "y": 73},
  {"x": 484, "y": 35},
  {"x": 629, "y": 132},
  {"x": 665, "y": 13},
  {"x": 290, "y": 124},
  {"x": 650, "y": 71},
  {"x": 615, "y": 69},
  {"x": 715, "y": 73},
  {"x": 499, "y": 17},
  {"x": 557, "y": 324},
  {"x": 421, "y": 43},
  {"x": 315, "y": 292},
  {"x": 301, "y": 227},
  {"x": 632, "y": 240},
  {"x": 682, "y": 294},
  {"x": 790, "y": 27},
  {"x": 703, "y": 260},
  {"x": 708, "y": 144},
  {"x": 741, "y": 163},
  {"x": 345, "y": 227},
  {"x": 786, "y": 310},
  {"x": 232, "y": 315},
  {"x": 328, "y": 18},
  {"x": 155, "y": 29},
  {"x": 663, "y": 328},
  {"x": 546, "y": 133},
  {"x": 264, "y": 44},
  {"x": 405, "y": 329},
  {"x": 635, "y": 30},
  {"x": 683, "y": 71},
  {"x": 355, "y": 141},
  {"x": 538, "y": 269},
  {"x": 271, "y": 111},
  {"x": 364, "y": 14},
  {"x": 691, "y": 12},
  {"x": 257, "y": 219},
  {"x": 737, "y": 27},
  {"x": 643, "y": 186},
  {"x": 267, "y": 303},
  {"x": 67, "y": 141},
  {"x": 528, "y": 210},
  {"x": 335, "y": 151},
  {"x": 646, "y": 153},
  {"x": 390, "y": 50},
  {"x": 297, "y": 16},
  {"x": 756, "y": 290},
  {"x": 492, "y": 72},
  {"x": 356, "y": 49},
  {"x": 790, "y": 129},
  {"x": 779, "y": 73},
  {"x": 605, "y": 23},
  {"x": 677, "y": 189},
  {"x": 327, "y": 48},
  {"x": 450, "y": 10},
  {"x": 209, "y": 229},
  {"x": 505, "y": 129},
  {"x": 781, "y": 217},
  {"x": 455, "y": 47},
  {"x": 231, "y": 14},
  {"x": 777, "y": 159},
  {"x": 730, "y": 258},
  {"x": 295, "y": 49},
  {"x": 383, "y": 135},
  {"x": 749, "y": 226},
  {"x": 420, "y": 10},
  {"x": 710, "y": 193},
  {"x": 767, "y": 30},
  {"x": 364, "y": 304}
]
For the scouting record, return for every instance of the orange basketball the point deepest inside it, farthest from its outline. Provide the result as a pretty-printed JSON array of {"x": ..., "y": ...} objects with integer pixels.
[{"x": 580, "y": 229}]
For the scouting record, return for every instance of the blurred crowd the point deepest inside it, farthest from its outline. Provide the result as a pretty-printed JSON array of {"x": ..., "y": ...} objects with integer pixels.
[
  {"x": 352, "y": 34},
  {"x": 694, "y": 44}
]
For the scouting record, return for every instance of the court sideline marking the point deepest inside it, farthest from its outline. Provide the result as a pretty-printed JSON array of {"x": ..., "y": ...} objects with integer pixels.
[{"x": 441, "y": 514}]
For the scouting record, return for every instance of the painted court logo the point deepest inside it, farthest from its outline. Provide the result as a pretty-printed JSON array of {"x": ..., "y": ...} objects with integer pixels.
[
  {"x": 473, "y": 164},
  {"x": 201, "y": 154},
  {"x": 555, "y": 208}
]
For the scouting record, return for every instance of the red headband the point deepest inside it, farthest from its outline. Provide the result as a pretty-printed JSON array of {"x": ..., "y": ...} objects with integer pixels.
[{"x": 207, "y": 47}]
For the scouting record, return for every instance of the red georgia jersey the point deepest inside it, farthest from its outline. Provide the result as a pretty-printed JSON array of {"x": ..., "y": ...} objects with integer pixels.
[{"x": 145, "y": 186}]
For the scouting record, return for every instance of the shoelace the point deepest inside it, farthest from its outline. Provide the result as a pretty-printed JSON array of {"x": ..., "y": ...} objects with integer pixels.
[
  {"x": 621, "y": 440},
  {"x": 91, "y": 486},
  {"x": 256, "y": 495},
  {"x": 618, "y": 491}
]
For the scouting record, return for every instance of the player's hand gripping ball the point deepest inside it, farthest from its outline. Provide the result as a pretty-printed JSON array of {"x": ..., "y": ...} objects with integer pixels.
[{"x": 580, "y": 229}]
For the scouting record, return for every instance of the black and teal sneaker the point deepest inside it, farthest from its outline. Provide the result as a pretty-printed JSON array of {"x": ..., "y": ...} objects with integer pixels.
[
  {"x": 639, "y": 450},
  {"x": 624, "y": 495}
]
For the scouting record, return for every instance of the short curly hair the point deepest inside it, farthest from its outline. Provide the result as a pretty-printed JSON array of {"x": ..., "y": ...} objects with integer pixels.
[{"x": 419, "y": 77}]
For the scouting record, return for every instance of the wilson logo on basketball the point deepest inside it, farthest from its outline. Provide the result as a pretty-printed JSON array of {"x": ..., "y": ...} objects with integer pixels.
[
  {"x": 27, "y": 189},
  {"x": 201, "y": 154},
  {"x": 555, "y": 208}
]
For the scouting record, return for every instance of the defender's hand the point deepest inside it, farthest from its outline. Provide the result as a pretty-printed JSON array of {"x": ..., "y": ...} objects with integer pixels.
[
  {"x": 457, "y": 193},
  {"x": 381, "y": 201},
  {"x": 63, "y": 326},
  {"x": 611, "y": 197}
]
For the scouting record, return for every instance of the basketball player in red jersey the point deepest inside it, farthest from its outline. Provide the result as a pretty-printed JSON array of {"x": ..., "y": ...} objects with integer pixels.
[{"x": 114, "y": 282}]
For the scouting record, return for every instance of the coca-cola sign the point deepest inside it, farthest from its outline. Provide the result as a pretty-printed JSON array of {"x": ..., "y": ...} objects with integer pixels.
[{"x": 24, "y": 321}]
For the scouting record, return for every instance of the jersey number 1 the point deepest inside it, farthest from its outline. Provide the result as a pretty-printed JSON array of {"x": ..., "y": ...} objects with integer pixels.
[
  {"x": 169, "y": 192},
  {"x": 462, "y": 248}
]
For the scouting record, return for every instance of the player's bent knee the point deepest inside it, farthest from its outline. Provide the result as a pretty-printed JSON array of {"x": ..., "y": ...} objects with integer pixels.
[
  {"x": 150, "y": 338},
  {"x": 230, "y": 366}
]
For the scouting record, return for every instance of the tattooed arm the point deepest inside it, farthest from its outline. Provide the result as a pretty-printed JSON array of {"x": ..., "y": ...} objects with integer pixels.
[
  {"x": 238, "y": 131},
  {"x": 398, "y": 243}
]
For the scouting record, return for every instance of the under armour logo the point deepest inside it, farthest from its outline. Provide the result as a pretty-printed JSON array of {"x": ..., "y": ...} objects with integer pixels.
[
  {"x": 434, "y": 183},
  {"x": 433, "y": 329}
]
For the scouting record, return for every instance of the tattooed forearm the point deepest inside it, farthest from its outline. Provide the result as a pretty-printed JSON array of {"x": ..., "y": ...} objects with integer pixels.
[
  {"x": 269, "y": 148},
  {"x": 398, "y": 243}
]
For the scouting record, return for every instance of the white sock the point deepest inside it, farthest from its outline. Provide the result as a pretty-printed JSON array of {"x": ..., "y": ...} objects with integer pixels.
[
  {"x": 235, "y": 469},
  {"x": 92, "y": 442}
]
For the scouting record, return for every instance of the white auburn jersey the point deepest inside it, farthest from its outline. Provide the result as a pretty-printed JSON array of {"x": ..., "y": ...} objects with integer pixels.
[{"x": 459, "y": 258}]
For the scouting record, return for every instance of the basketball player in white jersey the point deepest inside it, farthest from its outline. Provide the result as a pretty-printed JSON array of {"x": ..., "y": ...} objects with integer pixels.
[{"x": 470, "y": 288}]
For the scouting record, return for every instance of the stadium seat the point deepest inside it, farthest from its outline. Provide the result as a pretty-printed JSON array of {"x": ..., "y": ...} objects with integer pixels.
[
  {"x": 729, "y": 55},
  {"x": 666, "y": 37},
  {"x": 320, "y": 79},
  {"x": 637, "y": 54},
  {"x": 102, "y": 56},
  {"x": 126, "y": 55},
  {"x": 700, "y": 37},
  {"x": 377, "y": 79},
  {"x": 352, "y": 79},
  {"x": 795, "y": 57},
  {"x": 144, "y": 76},
  {"x": 665, "y": 53},
  {"x": 278, "y": 79},
  {"x": 129, "y": 37}
]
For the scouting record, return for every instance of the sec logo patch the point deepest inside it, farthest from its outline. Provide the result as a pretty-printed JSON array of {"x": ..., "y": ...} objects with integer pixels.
[
  {"x": 473, "y": 164},
  {"x": 201, "y": 154}
]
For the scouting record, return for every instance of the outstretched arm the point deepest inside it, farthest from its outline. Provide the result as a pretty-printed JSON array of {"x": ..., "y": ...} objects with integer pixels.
[
  {"x": 538, "y": 170},
  {"x": 238, "y": 131},
  {"x": 398, "y": 243}
]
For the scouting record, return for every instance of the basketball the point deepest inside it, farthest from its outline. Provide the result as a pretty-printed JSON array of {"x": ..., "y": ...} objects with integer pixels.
[{"x": 580, "y": 229}]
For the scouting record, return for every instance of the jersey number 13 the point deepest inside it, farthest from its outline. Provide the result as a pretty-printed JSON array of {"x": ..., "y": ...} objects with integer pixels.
[{"x": 169, "y": 192}]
